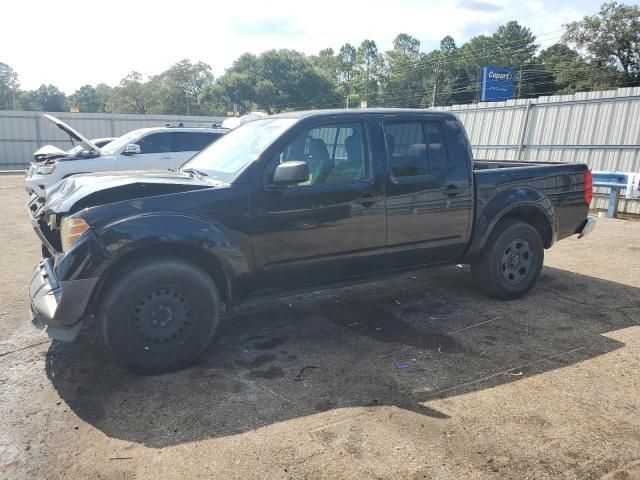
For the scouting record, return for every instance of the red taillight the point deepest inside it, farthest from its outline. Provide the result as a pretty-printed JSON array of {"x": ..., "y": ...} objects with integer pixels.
[{"x": 588, "y": 187}]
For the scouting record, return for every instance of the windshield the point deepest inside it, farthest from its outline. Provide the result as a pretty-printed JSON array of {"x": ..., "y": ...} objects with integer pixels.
[
  {"x": 98, "y": 142},
  {"x": 227, "y": 157},
  {"x": 118, "y": 143}
]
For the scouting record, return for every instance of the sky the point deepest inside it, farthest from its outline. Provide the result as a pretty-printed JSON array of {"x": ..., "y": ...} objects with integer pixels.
[{"x": 70, "y": 43}]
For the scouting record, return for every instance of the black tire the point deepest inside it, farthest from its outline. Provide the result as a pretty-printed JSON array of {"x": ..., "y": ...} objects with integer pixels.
[
  {"x": 158, "y": 316},
  {"x": 511, "y": 262}
]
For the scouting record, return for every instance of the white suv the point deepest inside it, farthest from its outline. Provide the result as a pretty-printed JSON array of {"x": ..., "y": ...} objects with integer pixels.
[{"x": 159, "y": 148}]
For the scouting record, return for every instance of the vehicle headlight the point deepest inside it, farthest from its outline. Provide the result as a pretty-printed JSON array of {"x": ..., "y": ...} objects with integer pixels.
[
  {"x": 71, "y": 229},
  {"x": 46, "y": 169}
]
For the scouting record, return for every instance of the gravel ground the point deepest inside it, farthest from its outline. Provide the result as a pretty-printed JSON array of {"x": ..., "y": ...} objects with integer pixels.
[{"x": 417, "y": 377}]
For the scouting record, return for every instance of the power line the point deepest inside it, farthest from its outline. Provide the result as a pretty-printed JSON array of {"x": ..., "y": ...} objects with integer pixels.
[
  {"x": 456, "y": 56},
  {"x": 416, "y": 95}
]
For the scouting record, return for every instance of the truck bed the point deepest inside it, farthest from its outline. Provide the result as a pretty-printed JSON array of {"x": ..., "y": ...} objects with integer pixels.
[{"x": 556, "y": 187}]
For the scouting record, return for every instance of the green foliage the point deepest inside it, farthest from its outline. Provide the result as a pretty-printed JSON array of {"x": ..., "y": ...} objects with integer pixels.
[
  {"x": 611, "y": 38},
  {"x": 90, "y": 99},
  {"x": 561, "y": 70},
  {"x": 183, "y": 87},
  {"x": 47, "y": 98},
  {"x": 404, "y": 77},
  {"x": 8, "y": 86},
  {"x": 598, "y": 52},
  {"x": 273, "y": 81},
  {"x": 133, "y": 95}
]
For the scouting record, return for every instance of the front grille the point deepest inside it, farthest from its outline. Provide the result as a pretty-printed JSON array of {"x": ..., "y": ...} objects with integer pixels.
[
  {"x": 35, "y": 206},
  {"x": 52, "y": 235},
  {"x": 40, "y": 221}
]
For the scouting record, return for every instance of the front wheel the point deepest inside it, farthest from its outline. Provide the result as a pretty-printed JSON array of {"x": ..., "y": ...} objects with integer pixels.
[
  {"x": 511, "y": 262},
  {"x": 158, "y": 316}
]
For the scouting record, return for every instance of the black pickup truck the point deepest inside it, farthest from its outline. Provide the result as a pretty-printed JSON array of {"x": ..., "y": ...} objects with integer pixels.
[{"x": 290, "y": 202}]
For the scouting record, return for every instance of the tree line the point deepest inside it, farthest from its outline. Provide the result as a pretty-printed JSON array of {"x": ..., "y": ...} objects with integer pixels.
[{"x": 599, "y": 52}]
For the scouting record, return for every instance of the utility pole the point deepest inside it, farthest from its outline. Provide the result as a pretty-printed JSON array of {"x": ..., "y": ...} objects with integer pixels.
[
  {"x": 435, "y": 85},
  {"x": 519, "y": 82}
]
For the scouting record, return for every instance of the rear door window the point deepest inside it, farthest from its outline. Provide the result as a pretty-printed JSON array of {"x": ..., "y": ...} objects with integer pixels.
[{"x": 407, "y": 149}]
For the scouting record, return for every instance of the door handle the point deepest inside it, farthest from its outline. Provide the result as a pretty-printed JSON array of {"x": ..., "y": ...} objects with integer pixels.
[
  {"x": 368, "y": 199},
  {"x": 451, "y": 190}
]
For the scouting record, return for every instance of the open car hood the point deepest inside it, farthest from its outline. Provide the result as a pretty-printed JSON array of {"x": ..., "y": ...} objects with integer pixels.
[
  {"x": 47, "y": 152},
  {"x": 74, "y": 134}
]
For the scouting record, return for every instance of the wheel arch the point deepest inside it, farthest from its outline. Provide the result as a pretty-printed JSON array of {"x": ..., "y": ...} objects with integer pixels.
[
  {"x": 525, "y": 204},
  {"x": 535, "y": 217},
  {"x": 196, "y": 256}
]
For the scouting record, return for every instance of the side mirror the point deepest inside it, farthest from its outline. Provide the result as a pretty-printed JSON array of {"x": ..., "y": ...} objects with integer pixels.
[
  {"x": 290, "y": 173},
  {"x": 131, "y": 149}
]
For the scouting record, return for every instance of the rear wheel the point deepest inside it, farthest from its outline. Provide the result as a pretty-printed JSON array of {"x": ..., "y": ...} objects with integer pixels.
[
  {"x": 158, "y": 316},
  {"x": 511, "y": 262}
]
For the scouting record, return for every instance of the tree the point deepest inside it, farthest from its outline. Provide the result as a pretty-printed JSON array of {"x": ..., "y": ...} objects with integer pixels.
[
  {"x": 611, "y": 38},
  {"x": 346, "y": 60},
  {"x": 514, "y": 44},
  {"x": 447, "y": 77},
  {"x": 561, "y": 70},
  {"x": 403, "y": 85},
  {"x": 275, "y": 80},
  {"x": 327, "y": 64},
  {"x": 134, "y": 96},
  {"x": 369, "y": 72},
  {"x": 102, "y": 93},
  {"x": 90, "y": 99},
  {"x": 47, "y": 98},
  {"x": 8, "y": 86},
  {"x": 182, "y": 88}
]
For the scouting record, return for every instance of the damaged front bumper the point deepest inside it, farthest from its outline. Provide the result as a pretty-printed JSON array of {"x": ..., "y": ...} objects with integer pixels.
[{"x": 58, "y": 306}]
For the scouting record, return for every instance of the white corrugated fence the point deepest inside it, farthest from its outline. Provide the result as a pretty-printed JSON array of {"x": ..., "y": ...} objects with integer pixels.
[{"x": 22, "y": 133}]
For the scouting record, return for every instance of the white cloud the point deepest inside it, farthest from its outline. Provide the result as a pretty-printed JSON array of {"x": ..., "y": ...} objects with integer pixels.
[{"x": 79, "y": 42}]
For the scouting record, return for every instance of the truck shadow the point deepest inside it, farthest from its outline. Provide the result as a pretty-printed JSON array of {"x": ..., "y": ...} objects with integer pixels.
[{"x": 399, "y": 343}]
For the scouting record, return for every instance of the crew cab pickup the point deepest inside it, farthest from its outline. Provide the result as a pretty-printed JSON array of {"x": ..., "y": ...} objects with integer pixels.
[{"x": 286, "y": 203}]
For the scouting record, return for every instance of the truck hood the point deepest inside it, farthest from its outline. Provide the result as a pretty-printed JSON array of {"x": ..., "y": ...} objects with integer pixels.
[
  {"x": 89, "y": 190},
  {"x": 74, "y": 134}
]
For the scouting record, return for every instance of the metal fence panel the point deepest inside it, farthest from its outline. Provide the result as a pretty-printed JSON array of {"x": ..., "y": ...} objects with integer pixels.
[{"x": 22, "y": 133}]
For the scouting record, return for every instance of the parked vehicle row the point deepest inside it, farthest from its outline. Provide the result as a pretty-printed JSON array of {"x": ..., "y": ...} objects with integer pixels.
[
  {"x": 161, "y": 148},
  {"x": 283, "y": 204}
]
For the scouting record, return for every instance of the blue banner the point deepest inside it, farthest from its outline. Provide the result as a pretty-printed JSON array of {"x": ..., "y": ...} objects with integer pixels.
[{"x": 497, "y": 84}]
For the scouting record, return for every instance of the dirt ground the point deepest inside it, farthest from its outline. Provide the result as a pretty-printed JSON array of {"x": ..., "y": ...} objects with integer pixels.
[{"x": 417, "y": 377}]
